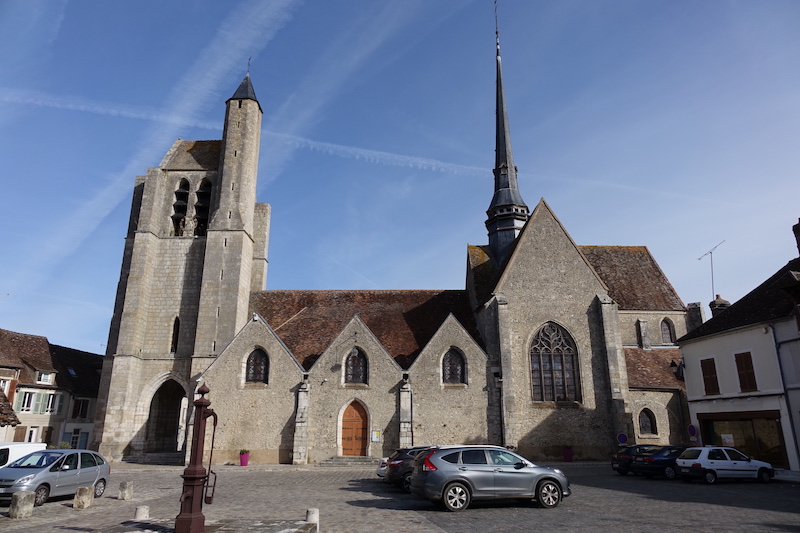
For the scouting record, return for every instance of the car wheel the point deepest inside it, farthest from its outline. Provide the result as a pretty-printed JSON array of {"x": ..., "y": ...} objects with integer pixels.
[
  {"x": 456, "y": 497},
  {"x": 41, "y": 495},
  {"x": 407, "y": 482},
  {"x": 710, "y": 476},
  {"x": 669, "y": 472},
  {"x": 622, "y": 472},
  {"x": 99, "y": 488},
  {"x": 763, "y": 475},
  {"x": 548, "y": 494}
]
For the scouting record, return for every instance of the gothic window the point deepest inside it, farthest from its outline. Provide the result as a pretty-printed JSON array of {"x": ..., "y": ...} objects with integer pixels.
[
  {"x": 258, "y": 367},
  {"x": 454, "y": 368},
  {"x": 176, "y": 328},
  {"x": 667, "y": 332},
  {"x": 179, "y": 208},
  {"x": 647, "y": 422},
  {"x": 355, "y": 367},
  {"x": 201, "y": 208},
  {"x": 554, "y": 365}
]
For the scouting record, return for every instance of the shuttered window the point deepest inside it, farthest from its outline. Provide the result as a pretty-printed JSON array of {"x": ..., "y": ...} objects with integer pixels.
[
  {"x": 709, "y": 369},
  {"x": 747, "y": 375}
]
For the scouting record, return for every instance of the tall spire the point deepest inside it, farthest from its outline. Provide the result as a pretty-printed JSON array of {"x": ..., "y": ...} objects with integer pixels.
[{"x": 507, "y": 213}]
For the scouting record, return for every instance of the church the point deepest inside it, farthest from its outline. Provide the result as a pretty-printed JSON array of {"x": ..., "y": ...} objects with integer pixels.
[{"x": 555, "y": 349}]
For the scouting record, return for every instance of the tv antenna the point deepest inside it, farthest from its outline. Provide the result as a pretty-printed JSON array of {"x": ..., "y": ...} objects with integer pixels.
[{"x": 710, "y": 253}]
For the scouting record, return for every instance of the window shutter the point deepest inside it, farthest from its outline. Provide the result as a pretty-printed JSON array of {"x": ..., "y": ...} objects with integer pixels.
[
  {"x": 38, "y": 400},
  {"x": 59, "y": 404}
]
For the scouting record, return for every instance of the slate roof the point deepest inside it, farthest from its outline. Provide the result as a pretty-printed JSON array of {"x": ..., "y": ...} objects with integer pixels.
[
  {"x": 634, "y": 279},
  {"x": 20, "y": 350},
  {"x": 766, "y": 303},
  {"x": 84, "y": 377},
  {"x": 7, "y": 415},
  {"x": 651, "y": 368},
  {"x": 193, "y": 155},
  {"x": 403, "y": 321}
]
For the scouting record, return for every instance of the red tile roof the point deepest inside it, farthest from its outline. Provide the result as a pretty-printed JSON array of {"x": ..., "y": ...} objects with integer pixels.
[
  {"x": 403, "y": 321},
  {"x": 651, "y": 368},
  {"x": 19, "y": 350},
  {"x": 7, "y": 415}
]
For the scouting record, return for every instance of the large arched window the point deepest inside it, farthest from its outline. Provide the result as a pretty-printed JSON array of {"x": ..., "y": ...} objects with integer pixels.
[
  {"x": 554, "y": 365},
  {"x": 179, "y": 207},
  {"x": 355, "y": 367},
  {"x": 647, "y": 422},
  {"x": 667, "y": 332},
  {"x": 454, "y": 367},
  {"x": 258, "y": 367}
]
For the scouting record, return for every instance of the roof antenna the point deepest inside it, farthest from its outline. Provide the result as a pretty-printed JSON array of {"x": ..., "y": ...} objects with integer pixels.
[{"x": 710, "y": 253}]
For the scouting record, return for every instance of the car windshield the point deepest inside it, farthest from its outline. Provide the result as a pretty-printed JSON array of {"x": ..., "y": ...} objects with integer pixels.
[{"x": 36, "y": 460}]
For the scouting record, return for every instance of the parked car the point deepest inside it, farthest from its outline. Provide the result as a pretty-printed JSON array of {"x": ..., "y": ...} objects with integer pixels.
[
  {"x": 55, "y": 473},
  {"x": 457, "y": 475},
  {"x": 659, "y": 461},
  {"x": 401, "y": 464},
  {"x": 11, "y": 451},
  {"x": 621, "y": 459},
  {"x": 711, "y": 462},
  {"x": 381, "y": 470}
]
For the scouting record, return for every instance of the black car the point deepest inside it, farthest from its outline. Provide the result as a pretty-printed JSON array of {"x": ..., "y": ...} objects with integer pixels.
[
  {"x": 398, "y": 471},
  {"x": 621, "y": 459},
  {"x": 657, "y": 462}
]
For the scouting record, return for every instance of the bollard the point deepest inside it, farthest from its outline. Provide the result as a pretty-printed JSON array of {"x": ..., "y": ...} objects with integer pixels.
[
  {"x": 125, "y": 490},
  {"x": 142, "y": 513},
  {"x": 22, "y": 504},
  {"x": 84, "y": 497},
  {"x": 312, "y": 517}
]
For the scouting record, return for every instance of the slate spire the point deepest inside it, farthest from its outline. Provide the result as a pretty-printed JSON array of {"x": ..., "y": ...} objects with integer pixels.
[
  {"x": 507, "y": 213},
  {"x": 245, "y": 91}
]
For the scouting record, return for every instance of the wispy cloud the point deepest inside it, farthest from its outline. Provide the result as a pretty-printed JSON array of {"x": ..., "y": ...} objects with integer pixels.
[{"x": 246, "y": 31}]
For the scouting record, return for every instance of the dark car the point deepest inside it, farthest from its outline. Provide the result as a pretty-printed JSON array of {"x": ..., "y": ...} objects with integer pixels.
[
  {"x": 400, "y": 465},
  {"x": 657, "y": 462},
  {"x": 621, "y": 459},
  {"x": 457, "y": 475}
]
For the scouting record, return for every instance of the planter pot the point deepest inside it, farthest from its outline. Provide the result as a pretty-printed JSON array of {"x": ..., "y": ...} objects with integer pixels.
[{"x": 244, "y": 458}]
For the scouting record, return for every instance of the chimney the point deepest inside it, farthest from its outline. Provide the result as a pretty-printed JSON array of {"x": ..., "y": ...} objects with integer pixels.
[
  {"x": 796, "y": 230},
  {"x": 718, "y": 306},
  {"x": 695, "y": 316}
]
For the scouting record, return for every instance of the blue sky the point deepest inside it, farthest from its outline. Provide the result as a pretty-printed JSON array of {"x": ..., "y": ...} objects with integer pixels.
[{"x": 674, "y": 125}]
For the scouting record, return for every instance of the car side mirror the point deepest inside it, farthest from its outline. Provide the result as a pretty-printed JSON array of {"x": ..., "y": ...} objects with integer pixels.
[
  {"x": 65, "y": 467},
  {"x": 519, "y": 465}
]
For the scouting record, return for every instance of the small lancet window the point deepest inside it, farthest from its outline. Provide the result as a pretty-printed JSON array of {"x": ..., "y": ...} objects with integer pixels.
[
  {"x": 454, "y": 368},
  {"x": 647, "y": 422},
  {"x": 554, "y": 365},
  {"x": 667, "y": 332},
  {"x": 201, "y": 208},
  {"x": 258, "y": 367},
  {"x": 355, "y": 367},
  {"x": 176, "y": 329},
  {"x": 179, "y": 207}
]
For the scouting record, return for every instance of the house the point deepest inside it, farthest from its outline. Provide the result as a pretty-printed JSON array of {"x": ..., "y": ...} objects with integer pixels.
[{"x": 742, "y": 370}]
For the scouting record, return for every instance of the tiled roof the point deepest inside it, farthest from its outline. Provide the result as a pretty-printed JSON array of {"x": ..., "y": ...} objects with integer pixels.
[
  {"x": 78, "y": 372},
  {"x": 651, "y": 368},
  {"x": 403, "y": 321},
  {"x": 18, "y": 348},
  {"x": 7, "y": 415},
  {"x": 194, "y": 155},
  {"x": 634, "y": 279},
  {"x": 767, "y": 302}
]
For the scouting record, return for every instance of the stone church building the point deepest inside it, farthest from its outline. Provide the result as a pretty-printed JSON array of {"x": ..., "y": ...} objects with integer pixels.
[{"x": 551, "y": 348}]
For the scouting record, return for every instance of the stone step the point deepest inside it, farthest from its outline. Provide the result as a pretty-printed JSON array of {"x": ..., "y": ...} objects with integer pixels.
[
  {"x": 168, "y": 458},
  {"x": 349, "y": 460}
]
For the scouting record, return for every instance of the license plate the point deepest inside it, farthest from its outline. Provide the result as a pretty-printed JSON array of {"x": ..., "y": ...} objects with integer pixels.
[{"x": 684, "y": 469}]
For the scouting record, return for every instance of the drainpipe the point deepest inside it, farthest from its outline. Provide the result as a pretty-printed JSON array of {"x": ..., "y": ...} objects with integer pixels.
[{"x": 778, "y": 345}]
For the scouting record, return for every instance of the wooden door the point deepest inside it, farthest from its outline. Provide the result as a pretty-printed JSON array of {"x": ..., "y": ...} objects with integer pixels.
[{"x": 354, "y": 430}]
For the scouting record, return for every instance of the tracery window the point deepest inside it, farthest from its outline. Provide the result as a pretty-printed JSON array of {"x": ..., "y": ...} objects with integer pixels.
[
  {"x": 554, "y": 365},
  {"x": 647, "y": 422},
  {"x": 355, "y": 367},
  {"x": 667, "y": 332},
  {"x": 454, "y": 368},
  {"x": 258, "y": 367}
]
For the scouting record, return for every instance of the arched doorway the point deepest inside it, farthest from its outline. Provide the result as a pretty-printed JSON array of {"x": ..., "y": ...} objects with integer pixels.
[
  {"x": 354, "y": 429},
  {"x": 164, "y": 418}
]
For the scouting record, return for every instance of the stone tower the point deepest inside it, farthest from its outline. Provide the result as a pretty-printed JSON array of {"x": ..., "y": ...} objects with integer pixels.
[{"x": 196, "y": 247}]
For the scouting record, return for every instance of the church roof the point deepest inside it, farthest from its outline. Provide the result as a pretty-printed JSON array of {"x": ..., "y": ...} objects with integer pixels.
[
  {"x": 634, "y": 279},
  {"x": 193, "y": 155},
  {"x": 767, "y": 302},
  {"x": 403, "y": 321},
  {"x": 78, "y": 371},
  {"x": 651, "y": 368},
  {"x": 20, "y": 350}
]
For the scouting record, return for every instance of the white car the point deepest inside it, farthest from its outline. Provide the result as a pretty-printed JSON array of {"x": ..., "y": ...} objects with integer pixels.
[
  {"x": 381, "y": 470},
  {"x": 711, "y": 462}
]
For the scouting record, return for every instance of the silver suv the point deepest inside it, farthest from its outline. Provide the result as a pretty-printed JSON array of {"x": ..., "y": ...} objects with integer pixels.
[
  {"x": 711, "y": 462},
  {"x": 456, "y": 475}
]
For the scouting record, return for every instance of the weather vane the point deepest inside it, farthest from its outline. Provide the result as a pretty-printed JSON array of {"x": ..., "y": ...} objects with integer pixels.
[{"x": 710, "y": 253}]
